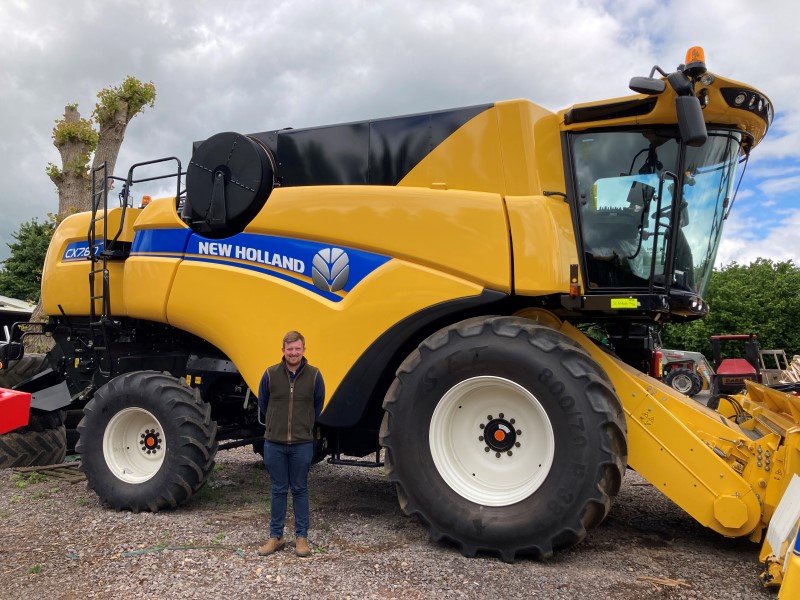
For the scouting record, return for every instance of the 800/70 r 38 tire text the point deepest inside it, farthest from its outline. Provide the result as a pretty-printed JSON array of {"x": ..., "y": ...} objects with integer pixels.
[
  {"x": 147, "y": 442},
  {"x": 505, "y": 437}
]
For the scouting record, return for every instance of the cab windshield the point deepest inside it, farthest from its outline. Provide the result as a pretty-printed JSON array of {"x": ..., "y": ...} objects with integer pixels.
[{"x": 650, "y": 216}]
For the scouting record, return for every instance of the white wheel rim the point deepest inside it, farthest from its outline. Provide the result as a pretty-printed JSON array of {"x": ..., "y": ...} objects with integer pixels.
[
  {"x": 682, "y": 383},
  {"x": 461, "y": 458},
  {"x": 134, "y": 445}
]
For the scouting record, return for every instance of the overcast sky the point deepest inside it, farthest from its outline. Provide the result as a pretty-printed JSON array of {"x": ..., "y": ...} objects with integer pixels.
[{"x": 267, "y": 64}]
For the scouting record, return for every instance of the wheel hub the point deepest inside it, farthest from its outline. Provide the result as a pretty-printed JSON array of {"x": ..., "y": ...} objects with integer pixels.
[
  {"x": 150, "y": 441},
  {"x": 499, "y": 435},
  {"x": 682, "y": 383}
]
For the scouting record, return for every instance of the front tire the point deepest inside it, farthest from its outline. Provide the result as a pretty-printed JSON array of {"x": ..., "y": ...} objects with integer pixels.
[
  {"x": 147, "y": 442},
  {"x": 504, "y": 436}
]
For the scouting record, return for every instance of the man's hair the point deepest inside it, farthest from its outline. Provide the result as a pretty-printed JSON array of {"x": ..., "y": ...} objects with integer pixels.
[{"x": 294, "y": 336}]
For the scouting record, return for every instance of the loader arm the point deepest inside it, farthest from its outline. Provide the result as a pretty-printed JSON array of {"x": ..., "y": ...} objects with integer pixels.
[
  {"x": 729, "y": 469},
  {"x": 728, "y": 476}
]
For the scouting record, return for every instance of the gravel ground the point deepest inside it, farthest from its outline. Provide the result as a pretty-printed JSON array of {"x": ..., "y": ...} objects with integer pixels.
[{"x": 56, "y": 541}]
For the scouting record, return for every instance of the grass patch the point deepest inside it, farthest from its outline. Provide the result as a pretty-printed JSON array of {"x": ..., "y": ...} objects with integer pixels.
[
  {"x": 22, "y": 480},
  {"x": 44, "y": 494},
  {"x": 34, "y": 569},
  {"x": 213, "y": 495}
]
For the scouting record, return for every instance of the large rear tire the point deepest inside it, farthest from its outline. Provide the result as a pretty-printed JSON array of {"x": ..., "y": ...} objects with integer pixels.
[
  {"x": 44, "y": 440},
  {"x": 504, "y": 436},
  {"x": 147, "y": 442}
]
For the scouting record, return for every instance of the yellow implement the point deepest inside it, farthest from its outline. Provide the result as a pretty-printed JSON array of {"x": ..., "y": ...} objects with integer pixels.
[{"x": 730, "y": 470}]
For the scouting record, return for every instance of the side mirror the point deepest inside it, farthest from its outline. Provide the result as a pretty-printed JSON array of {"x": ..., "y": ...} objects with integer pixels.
[
  {"x": 690, "y": 120},
  {"x": 647, "y": 85}
]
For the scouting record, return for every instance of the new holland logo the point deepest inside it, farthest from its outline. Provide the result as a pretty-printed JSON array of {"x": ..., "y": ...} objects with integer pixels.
[{"x": 330, "y": 269}]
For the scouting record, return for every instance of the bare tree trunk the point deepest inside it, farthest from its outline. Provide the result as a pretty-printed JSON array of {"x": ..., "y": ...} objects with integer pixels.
[
  {"x": 74, "y": 187},
  {"x": 112, "y": 132},
  {"x": 38, "y": 343}
]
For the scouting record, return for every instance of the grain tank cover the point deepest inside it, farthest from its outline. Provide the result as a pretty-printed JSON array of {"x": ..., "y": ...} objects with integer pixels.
[{"x": 228, "y": 181}]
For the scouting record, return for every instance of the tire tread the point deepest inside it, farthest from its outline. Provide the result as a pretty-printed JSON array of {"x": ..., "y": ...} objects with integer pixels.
[
  {"x": 602, "y": 399},
  {"x": 195, "y": 444}
]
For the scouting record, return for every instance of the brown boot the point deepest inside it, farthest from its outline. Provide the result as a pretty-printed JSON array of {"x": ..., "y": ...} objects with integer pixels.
[
  {"x": 272, "y": 545},
  {"x": 301, "y": 547}
]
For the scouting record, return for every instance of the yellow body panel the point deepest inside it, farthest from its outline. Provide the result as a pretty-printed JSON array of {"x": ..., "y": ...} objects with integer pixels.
[
  {"x": 150, "y": 301},
  {"x": 250, "y": 333},
  {"x": 543, "y": 243},
  {"x": 531, "y": 147},
  {"x": 159, "y": 214},
  {"x": 65, "y": 278},
  {"x": 461, "y": 233},
  {"x": 441, "y": 245},
  {"x": 512, "y": 148}
]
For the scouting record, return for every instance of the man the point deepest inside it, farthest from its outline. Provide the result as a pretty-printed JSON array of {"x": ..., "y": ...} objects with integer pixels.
[{"x": 291, "y": 394}]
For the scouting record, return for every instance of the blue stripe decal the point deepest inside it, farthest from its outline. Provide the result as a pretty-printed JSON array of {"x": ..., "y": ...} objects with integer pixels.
[
  {"x": 329, "y": 271},
  {"x": 163, "y": 241},
  {"x": 796, "y": 550}
]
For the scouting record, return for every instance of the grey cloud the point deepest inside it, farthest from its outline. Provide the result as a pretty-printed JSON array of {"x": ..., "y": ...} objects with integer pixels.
[{"x": 253, "y": 66}]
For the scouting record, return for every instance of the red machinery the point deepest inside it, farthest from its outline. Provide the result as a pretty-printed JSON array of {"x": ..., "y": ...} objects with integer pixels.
[
  {"x": 731, "y": 373},
  {"x": 14, "y": 409}
]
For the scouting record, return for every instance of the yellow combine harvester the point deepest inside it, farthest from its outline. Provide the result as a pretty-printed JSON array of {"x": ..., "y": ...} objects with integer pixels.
[{"x": 439, "y": 265}]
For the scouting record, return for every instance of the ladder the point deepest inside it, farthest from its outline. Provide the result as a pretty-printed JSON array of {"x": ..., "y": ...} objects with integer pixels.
[
  {"x": 99, "y": 289},
  {"x": 104, "y": 248}
]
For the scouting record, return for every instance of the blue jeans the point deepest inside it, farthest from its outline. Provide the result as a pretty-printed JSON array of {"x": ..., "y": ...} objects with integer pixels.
[{"x": 288, "y": 466}]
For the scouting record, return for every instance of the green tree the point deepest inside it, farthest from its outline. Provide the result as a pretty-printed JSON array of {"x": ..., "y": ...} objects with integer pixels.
[
  {"x": 762, "y": 297},
  {"x": 21, "y": 275}
]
